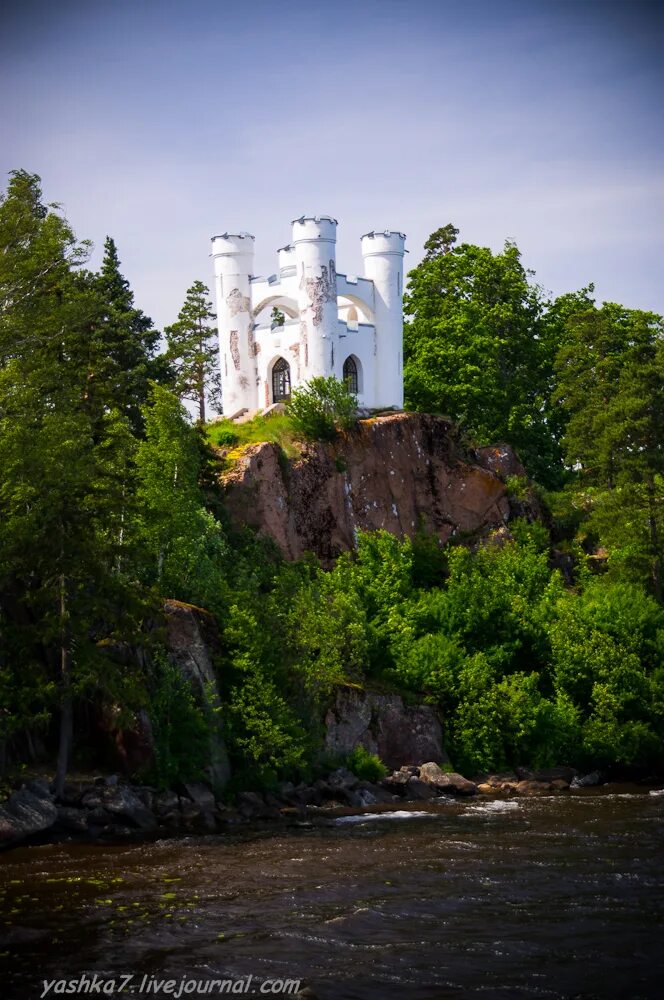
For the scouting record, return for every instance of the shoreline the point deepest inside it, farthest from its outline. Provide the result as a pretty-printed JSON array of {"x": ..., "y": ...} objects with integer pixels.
[{"x": 108, "y": 810}]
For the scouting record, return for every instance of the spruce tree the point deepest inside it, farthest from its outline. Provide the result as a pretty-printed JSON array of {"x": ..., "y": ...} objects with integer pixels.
[
  {"x": 130, "y": 340},
  {"x": 65, "y": 473},
  {"x": 193, "y": 350}
]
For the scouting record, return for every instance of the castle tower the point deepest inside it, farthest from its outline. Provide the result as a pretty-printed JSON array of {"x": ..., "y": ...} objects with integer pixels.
[
  {"x": 383, "y": 264},
  {"x": 314, "y": 240},
  {"x": 233, "y": 265}
]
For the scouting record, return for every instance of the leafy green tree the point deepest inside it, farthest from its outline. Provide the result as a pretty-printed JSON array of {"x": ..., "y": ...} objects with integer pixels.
[
  {"x": 321, "y": 407},
  {"x": 183, "y": 543},
  {"x": 479, "y": 346},
  {"x": 471, "y": 346},
  {"x": 610, "y": 381},
  {"x": 193, "y": 351}
]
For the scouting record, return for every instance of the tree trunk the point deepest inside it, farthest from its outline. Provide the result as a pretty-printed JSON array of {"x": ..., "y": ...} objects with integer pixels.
[
  {"x": 66, "y": 708},
  {"x": 654, "y": 540},
  {"x": 201, "y": 388}
]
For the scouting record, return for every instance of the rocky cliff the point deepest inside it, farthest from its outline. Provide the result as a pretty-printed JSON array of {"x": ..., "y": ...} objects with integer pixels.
[{"x": 395, "y": 472}]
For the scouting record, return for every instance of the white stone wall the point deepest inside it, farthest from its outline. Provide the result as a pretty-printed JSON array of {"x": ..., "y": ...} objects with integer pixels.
[{"x": 329, "y": 316}]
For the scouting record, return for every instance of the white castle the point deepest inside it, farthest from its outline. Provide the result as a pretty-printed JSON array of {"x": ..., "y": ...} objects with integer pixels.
[{"x": 325, "y": 323}]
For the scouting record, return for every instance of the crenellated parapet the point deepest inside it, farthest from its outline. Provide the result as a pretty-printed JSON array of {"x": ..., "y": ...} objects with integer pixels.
[{"x": 325, "y": 323}]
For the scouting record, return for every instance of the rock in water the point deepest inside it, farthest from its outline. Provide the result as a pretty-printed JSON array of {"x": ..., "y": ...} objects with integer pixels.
[
  {"x": 25, "y": 813},
  {"x": 447, "y": 784}
]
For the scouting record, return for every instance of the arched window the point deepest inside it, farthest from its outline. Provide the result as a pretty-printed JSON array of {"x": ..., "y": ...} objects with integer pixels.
[
  {"x": 351, "y": 315},
  {"x": 281, "y": 385},
  {"x": 350, "y": 375}
]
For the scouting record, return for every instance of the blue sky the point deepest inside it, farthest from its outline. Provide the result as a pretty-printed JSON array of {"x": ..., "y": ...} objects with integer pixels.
[{"x": 162, "y": 123}]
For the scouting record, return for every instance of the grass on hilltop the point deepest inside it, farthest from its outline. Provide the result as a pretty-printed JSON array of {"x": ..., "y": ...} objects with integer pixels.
[{"x": 276, "y": 428}]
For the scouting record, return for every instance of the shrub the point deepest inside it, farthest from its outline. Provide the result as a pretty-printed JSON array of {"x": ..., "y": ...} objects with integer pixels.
[
  {"x": 180, "y": 726},
  {"x": 322, "y": 407},
  {"x": 223, "y": 436},
  {"x": 366, "y": 766}
]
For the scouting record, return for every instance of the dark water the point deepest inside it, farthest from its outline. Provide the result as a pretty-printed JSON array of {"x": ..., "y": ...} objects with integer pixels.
[{"x": 550, "y": 897}]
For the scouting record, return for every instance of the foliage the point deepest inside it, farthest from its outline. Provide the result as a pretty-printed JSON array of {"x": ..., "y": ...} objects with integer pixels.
[
  {"x": 277, "y": 317},
  {"x": 66, "y": 450},
  {"x": 474, "y": 348},
  {"x": 109, "y": 503},
  {"x": 129, "y": 340},
  {"x": 610, "y": 381},
  {"x": 193, "y": 350},
  {"x": 182, "y": 541},
  {"x": 277, "y": 428},
  {"x": 180, "y": 727},
  {"x": 322, "y": 407},
  {"x": 366, "y": 766}
]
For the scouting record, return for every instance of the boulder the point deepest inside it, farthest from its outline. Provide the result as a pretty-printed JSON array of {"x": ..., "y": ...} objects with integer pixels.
[
  {"x": 123, "y": 802},
  {"x": 498, "y": 781},
  {"x": 362, "y": 797},
  {"x": 589, "y": 780},
  {"x": 446, "y": 784},
  {"x": 418, "y": 789},
  {"x": 203, "y": 796},
  {"x": 532, "y": 787},
  {"x": 384, "y": 725},
  {"x": 72, "y": 793},
  {"x": 397, "y": 783},
  {"x": 166, "y": 803},
  {"x": 343, "y": 778},
  {"x": 252, "y": 805},
  {"x": 26, "y": 812},
  {"x": 71, "y": 820},
  {"x": 566, "y": 774}
]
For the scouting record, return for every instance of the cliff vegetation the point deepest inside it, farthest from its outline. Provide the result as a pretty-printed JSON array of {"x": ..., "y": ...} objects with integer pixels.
[{"x": 412, "y": 554}]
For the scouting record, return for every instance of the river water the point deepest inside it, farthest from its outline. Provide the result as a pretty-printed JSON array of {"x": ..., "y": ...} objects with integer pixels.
[{"x": 551, "y": 897}]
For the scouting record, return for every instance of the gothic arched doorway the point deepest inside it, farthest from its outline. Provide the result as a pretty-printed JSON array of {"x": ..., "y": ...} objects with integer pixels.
[
  {"x": 350, "y": 375},
  {"x": 281, "y": 381}
]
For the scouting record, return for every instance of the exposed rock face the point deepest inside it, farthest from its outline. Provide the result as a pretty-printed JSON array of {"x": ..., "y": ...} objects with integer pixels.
[
  {"x": 193, "y": 641},
  {"x": 395, "y": 472},
  {"x": 384, "y": 725}
]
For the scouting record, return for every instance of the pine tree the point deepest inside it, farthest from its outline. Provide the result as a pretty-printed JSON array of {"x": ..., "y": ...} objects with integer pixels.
[
  {"x": 193, "y": 350},
  {"x": 130, "y": 341},
  {"x": 65, "y": 471}
]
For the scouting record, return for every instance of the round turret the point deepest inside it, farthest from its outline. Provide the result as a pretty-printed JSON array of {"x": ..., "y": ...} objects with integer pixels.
[
  {"x": 233, "y": 253},
  {"x": 233, "y": 264},
  {"x": 386, "y": 242},
  {"x": 286, "y": 257},
  {"x": 383, "y": 254},
  {"x": 315, "y": 228},
  {"x": 314, "y": 241}
]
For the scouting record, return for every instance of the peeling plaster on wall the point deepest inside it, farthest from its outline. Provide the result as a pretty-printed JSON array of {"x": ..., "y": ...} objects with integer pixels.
[
  {"x": 295, "y": 351},
  {"x": 320, "y": 290},
  {"x": 267, "y": 394},
  {"x": 237, "y": 302},
  {"x": 225, "y": 364},
  {"x": 235, "y": 349},
  {"x": 254, "y": 348},
  {"x": 244, "y": 381},
  {"x": 304, "y": 339},
  {"x": 332, "y": 359}
]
